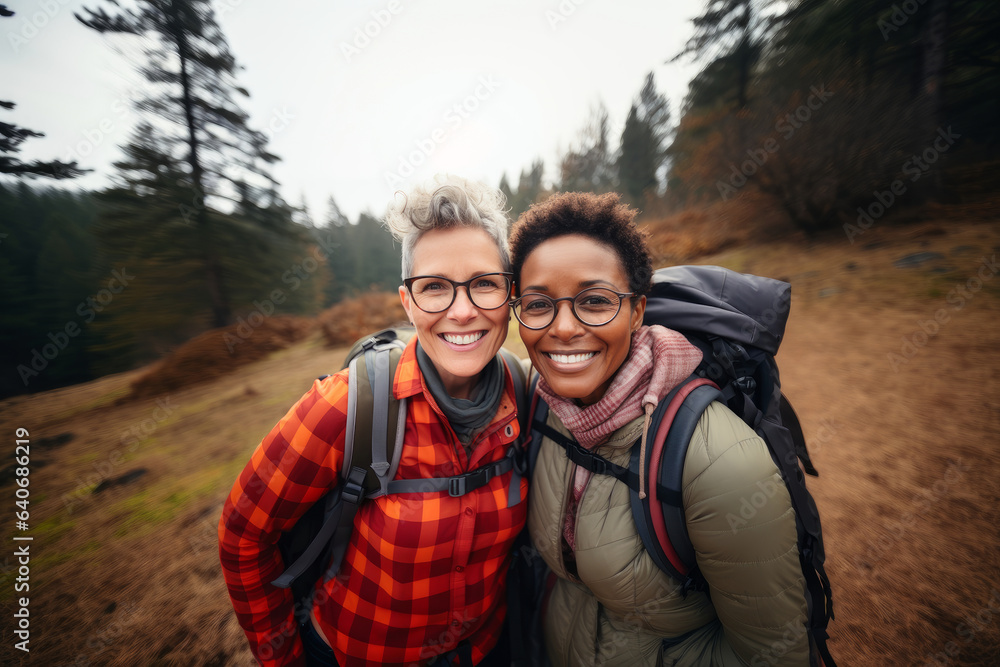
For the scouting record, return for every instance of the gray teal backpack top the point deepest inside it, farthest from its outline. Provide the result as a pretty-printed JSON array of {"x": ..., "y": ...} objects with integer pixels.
[
  {"x": 315, "y": 546},
  {"x": 737, "y": 321}
]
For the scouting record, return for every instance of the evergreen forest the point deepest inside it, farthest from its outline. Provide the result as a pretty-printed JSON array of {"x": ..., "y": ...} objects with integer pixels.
[{"x": 823, "y": 109}]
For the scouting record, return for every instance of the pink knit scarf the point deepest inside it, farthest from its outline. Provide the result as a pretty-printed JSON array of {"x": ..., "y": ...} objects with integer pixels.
[{"x": 659, "y": 360}]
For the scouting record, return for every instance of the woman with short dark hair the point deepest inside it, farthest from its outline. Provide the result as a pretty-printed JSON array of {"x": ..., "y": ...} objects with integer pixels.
[{"x": 583, "y": 272}]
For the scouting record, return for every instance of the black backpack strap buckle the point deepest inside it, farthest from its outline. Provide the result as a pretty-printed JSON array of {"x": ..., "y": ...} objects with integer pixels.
[
  {"x": 354, "y": 486},
  {"x": 470, "y": 481},
  {"x": 746, "y": 384},
  {"x": 589, "y": 460},
  {"x": 456, "y": 487}
]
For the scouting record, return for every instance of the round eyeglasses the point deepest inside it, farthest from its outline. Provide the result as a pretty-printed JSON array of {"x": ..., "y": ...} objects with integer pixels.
[
  {"x": 594, "y": 306},
  {"x": 434, "y": 294}
]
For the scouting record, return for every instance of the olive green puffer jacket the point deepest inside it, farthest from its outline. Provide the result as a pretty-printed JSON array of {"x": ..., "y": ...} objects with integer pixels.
[{"x": 620, "y": 609}]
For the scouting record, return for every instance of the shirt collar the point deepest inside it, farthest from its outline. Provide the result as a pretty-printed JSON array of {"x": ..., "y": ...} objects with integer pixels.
[{"x": 409, "y": 382}]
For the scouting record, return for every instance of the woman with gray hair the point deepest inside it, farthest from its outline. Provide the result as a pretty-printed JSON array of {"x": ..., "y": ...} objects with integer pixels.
[{"x": 423, "y": 578}]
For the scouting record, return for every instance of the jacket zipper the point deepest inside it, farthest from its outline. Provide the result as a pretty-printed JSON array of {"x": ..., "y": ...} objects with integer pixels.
[
  {"x": 579, "y": 503},
  {"x": 576, "y": 518},
  {"x": 561, "y": 526}
]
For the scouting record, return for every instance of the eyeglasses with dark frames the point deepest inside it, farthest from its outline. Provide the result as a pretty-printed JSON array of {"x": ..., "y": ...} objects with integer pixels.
[
  {"x": 435, "y": 294},
  {"x": 594, "y": 306}
]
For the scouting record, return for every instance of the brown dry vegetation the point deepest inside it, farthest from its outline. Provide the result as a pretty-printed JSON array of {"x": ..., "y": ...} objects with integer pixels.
[
  {"x": 349, "y": 320},
  {"x": 703, "y": 230},
  {"x": 218, "y": 352},
  {"x": 907, "y": 453}
]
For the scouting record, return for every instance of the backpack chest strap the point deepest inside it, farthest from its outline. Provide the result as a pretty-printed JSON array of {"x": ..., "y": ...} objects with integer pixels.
[
  {"x": 587, "y": 459},
  {"x": 457, "y": 485}
]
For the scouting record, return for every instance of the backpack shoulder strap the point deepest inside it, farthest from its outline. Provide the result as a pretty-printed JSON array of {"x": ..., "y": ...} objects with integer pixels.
[
  {"x": 790, "y": 421},
  {"x": 528, "y": 576},
  {"x": 376, "y": 417},
  {"x": 810, "y": 533},
  {"x": 340, "y": 505},
  {"x": 372, "y": 412},
  {"x": 520, "y": 383},
  {"x": 659, "y": 518},
  {"x": 372, "y": 439},
  {"x": 387, "y": 417},
  {"x": 538, "y": 415}
]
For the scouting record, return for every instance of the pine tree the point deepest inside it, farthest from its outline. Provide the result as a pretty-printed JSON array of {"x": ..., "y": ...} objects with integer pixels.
[
  {"x": 49, "y": 266},
  {"x": 529, "y": 189},
  {"x": 505, "y": 188},
  {"x": 643, "y": 143},
  {"x": 192, "y": 75},
  {"x": 378, "y": 258},
  {"x": 11, "y": 138},
  {"x": 590, "y": 166},
  {"x": 333, "y": 238},
  {"x": 732, "y": 35}
]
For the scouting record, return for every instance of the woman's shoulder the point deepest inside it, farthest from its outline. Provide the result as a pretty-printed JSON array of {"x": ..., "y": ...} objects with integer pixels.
[
  {"x": 328, "y": 393},
  {"x": 725, "y": 444},
  {"x": 333, "y": 383}
]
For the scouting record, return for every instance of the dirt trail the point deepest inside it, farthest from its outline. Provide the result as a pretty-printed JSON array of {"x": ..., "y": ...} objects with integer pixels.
[{"x": 906, "y": 446}]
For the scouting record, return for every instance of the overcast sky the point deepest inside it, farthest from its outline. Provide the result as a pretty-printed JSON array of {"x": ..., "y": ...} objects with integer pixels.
[{"x": 364, "y": 98}]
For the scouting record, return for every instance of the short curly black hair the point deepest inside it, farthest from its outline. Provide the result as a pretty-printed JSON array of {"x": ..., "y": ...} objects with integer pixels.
[{"x": 601, "y": 217}]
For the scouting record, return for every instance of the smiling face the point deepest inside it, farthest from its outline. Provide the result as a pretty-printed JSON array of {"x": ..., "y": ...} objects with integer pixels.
[
  {"x": 462, "y": 339},
  {"x": 578, "y": 361}
]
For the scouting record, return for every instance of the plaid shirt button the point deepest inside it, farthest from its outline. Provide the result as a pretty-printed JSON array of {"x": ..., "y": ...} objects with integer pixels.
[{"x": 469, "y": 511}]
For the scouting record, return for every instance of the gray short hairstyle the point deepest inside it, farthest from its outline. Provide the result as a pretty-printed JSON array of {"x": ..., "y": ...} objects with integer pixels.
[{"x": 445, "y": 202}]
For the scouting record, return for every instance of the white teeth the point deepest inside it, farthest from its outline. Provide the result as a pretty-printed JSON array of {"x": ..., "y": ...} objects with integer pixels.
[
  {"x": 571, "y": 358},
  {"x": 463, "y": 340}
]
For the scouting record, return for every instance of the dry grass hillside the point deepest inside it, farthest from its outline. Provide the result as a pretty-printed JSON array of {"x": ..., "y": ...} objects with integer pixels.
[{"x": 893, "y": 370}]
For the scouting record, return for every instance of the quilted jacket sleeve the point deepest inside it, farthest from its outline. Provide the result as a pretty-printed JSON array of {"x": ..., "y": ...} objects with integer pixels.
[{"x": 742, "y": 526}]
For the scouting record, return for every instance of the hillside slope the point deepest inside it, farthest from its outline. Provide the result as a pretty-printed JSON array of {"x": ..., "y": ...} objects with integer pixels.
[{"x": 893, "y": 370}]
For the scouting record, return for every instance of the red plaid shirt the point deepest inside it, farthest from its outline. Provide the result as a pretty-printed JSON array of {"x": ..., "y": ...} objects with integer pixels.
[{"x": 423, "y": 571}]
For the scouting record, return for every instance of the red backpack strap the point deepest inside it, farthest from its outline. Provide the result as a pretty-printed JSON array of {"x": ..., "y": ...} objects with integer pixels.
[{"x": 660, "y": 518}]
